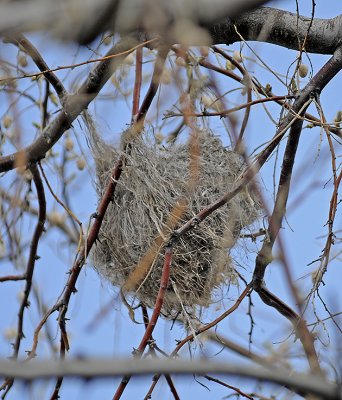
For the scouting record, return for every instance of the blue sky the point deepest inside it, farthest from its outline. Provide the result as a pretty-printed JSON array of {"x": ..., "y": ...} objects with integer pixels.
[{"x": 113, "y": 333}]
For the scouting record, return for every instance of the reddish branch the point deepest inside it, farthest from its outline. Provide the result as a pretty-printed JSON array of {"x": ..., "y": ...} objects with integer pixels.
[
  {"x": 239, "y": 144},
  {"x": 62, "y": 304},
  {"x": 205, "y": 328},
  {"x": 317, "y": 83},
  {"x": 137, "y": 82},
  {"x": 214, "y": 322},
  {"x": 154, "y": 354},
  {"x": 154, "y": 318}
]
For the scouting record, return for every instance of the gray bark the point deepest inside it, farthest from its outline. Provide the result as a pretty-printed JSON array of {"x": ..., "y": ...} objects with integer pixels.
[
  {"x": 83, "y": 20},
  {"x": 281, "y": 28},
  {"x": 96, "y": 368}
]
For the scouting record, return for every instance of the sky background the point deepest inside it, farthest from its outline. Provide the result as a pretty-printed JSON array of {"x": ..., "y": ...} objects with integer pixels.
[{"x": 113, "y": 333}]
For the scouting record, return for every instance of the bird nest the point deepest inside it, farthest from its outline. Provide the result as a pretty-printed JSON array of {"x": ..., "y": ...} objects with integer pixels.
[{"x": 136, "y": 226}]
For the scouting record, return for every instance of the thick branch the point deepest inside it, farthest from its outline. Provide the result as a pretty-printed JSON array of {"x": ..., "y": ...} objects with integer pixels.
[
  {"x": 263, "y": 24},
  {"x": 265, "y": 254},
  {"x": 95, "y": 368},
  {"x": 281, "y": 28},
  {"x": 68, "y": 20}
]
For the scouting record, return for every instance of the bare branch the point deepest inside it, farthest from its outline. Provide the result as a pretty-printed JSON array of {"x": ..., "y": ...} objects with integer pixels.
[
  {"x": 96, "y": 368},
  {"x": 74, "y": 105},
  {"x": 30, "y": 267},
  {"x": 21, "y": 41},
  {"x": 94, "y": 17},
  {"x": 263, "y": 24},
  {"x": 281, "y": 28},
  {"x": 164, "y": 280}
]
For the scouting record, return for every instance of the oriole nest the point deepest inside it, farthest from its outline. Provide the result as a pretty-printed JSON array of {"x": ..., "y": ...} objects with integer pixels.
[{"x": 135, "y": 228}]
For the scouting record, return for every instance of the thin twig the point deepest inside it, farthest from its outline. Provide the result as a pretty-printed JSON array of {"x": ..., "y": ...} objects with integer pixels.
[
  {"x": 33, "y": 257},
  {"x": 229, "y": 111},
  {"x": 105, "y": 58},
  {"x": 21, "y": 41},
  {"x": 261, "y": 90},
  {"x": 154, "y": 85},
  {"x": 237, "y": 390},
  {"x": 74, "y": 105},
  {"x": 7, "y": 278},
  {"x": 325, "y": 257}
]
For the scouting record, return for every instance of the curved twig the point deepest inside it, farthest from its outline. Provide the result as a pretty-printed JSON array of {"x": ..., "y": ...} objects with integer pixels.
[
  {"x": 73, "y": 107},
  {"x": 33, "y": 257}
]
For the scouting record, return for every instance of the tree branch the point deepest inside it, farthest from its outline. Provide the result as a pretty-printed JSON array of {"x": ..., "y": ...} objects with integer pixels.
[
  {"x": 96, "y": 16},
  {"x": 21, "y": 41},
  {"x": 164, "y": 280},
  {"x": 281, "y": 28},
  {"x": 101, "y": 368},
  {"x": 30, "y": 269},
  {"x": 74, "y": 105},
  {"x": 264, "y": 24}
]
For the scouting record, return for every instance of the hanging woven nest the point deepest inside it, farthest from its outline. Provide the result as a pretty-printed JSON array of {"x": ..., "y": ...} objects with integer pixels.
[{"x": 135, "y": 227}]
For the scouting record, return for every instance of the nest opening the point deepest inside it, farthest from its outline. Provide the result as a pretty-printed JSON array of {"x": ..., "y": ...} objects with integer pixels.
[{"x": 153, "y": 179}]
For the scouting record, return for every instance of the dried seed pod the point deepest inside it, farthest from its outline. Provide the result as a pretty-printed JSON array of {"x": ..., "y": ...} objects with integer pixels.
[
  {"x": 22, "y": 60},
  {"x": 230, "y": 65},
  {"x": 204, "y": 51},
  {"x": 7, "y": 121},
  {"x": 69, "y": 144},
  {"x": 81, "y": 163},
  {"x": 166, "y": 77},
  {"x": 180, "y": 62},
  {"x": 237, "y": 56},
  {"x": 303, "y": 70},
  {"x": 130, "y": 59}
]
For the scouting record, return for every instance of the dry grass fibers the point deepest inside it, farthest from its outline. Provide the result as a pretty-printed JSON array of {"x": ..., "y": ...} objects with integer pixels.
[{"x": 135, "y": 228}]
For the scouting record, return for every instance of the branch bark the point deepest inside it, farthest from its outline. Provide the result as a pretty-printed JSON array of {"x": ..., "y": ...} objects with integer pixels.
[
  {"x": 281, "y": 28},
  {"x": 101, "y": 368},
  {"x": 265, "y": 24}
]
